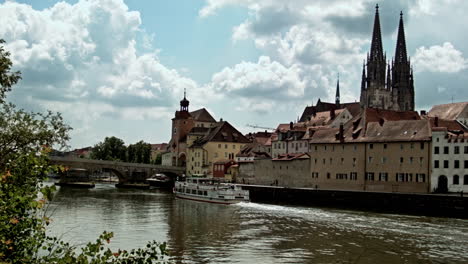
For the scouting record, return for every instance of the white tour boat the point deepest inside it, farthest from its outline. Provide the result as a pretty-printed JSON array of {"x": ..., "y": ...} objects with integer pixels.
[{"x": 210, "y": 190}]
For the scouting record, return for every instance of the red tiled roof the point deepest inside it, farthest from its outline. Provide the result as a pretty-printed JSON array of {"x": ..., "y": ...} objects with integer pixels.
[
  {"x": 202, "y": 115},
  {"x": 448, "y": 111}
]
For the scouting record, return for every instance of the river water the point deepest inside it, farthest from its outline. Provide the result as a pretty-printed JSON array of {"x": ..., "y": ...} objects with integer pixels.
[{"x": 253, "y": 233}]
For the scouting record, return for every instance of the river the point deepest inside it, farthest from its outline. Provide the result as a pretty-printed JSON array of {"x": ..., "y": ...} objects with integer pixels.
[{"x": 253, "y": 233}]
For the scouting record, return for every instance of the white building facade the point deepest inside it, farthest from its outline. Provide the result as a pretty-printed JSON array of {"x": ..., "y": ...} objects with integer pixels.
[{"x": 449, "y": 161}]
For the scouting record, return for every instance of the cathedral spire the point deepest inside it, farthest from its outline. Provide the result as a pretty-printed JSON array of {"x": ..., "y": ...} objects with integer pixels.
[
  {"x": 376, "y": 53},
  {"x": 337, "y": 97},
  {"x": 400, "y": 51}
]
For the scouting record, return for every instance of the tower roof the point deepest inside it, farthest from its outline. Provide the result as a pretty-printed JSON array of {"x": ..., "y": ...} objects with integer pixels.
[
  {"x": 400, "y": 51},
  {"x": 376, "y": 53}
]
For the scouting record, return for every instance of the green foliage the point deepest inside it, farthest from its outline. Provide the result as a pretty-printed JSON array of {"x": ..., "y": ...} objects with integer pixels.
[
  {"x": 139, "y": 152},
  {"x": 7, "y": 77},
  {"x": 112, "y": 148},
  {"x": 158, "y": 160},
  {"x": 25, "y": 141}
]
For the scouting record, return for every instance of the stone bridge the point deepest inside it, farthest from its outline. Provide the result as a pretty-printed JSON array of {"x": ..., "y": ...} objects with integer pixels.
[{"x": 125, "y": 171}]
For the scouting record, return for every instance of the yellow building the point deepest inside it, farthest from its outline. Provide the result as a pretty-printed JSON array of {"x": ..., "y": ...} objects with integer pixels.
[
  {"x": 380, "y": 150},
  {"x": 208, "y": 145}
]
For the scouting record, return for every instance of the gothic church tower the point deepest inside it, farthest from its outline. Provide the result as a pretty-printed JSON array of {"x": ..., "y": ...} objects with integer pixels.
[{"x": 386, "y": 86}]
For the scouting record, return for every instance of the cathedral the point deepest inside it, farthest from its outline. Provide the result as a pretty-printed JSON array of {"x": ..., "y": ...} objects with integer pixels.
[{"x": 387, "y": 85}]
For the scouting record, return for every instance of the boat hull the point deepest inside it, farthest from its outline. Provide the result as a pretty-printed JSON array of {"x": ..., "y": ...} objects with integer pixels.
[{"x": 206, "y": 199}]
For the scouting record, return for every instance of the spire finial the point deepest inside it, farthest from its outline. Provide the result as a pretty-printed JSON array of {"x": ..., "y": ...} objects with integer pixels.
[
  {"x": 185, "y": 92},
  {"x": 377, "y": 7},
  {"x": 401, "y": 13},
  {"x": 376, "y": 52}
]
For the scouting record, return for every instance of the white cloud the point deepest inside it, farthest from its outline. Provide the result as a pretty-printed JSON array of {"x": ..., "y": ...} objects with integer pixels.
[
  {"x": 445, "y": 59},
  {"x": 87, "y": 51}
]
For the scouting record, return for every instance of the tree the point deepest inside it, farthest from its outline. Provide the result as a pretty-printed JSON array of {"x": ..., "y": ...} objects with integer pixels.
[
  {"x": 26, "y": 139},
  {"x": 139, "y": 152},
  {"x": 112, "y": 148}
]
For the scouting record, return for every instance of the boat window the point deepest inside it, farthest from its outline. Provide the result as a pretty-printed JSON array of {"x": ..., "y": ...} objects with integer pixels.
[
  {"x": 187, "y": 190},
  {"x": 200, "y": 192},
  {"x": 205, "y": 193},
  {"x": 194, "y": 191}
]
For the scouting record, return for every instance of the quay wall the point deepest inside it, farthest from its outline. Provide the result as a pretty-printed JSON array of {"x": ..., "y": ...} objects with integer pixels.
[{"x": 400, "y": 203}]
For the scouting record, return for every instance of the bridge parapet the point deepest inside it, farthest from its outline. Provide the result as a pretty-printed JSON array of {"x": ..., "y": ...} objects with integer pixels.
[{"x": 126, "y": 171}]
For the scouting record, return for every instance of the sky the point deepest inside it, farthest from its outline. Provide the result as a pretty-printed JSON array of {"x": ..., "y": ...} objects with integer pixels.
[{"x": 120, "y": 67}]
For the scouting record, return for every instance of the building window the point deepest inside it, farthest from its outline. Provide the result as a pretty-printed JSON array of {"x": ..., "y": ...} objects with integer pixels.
[
  {"x": 456, "y": 150},
  {"x": 370, "y": 159},
  {"x": 456, "y": 164},
  {"x": 466, "y": 164},
  {"x": 385, "y": 146},
  {"x": 446, "y": 150},
  {"x": 328, "y": 175},
  {"x": 325, "y": 147},
  {"x": 354, "y": 147},
  {"x": 466, "y": 150},
  {"x": 353, "y": 176},
  {"x": 219, "y": 145},
  {"x": 421, "y": 159},
  {"x": 465, "y": 180},
  {"x": 331, "y": 161},
  {"x": 420, "y": 177},
  {"x": 354, "y": 162},
  {"x": 233, "y": 146},
  {"x": 333, "y": 148},
  {"x": 225, "y": 146},
  {"x": 401, "y": 146},
  {"x": 225, "y": 154},
  {"x": 342, "y": 161},
  {"x": 436, "y": 150},
  {"x": 324, "y": 161},
  {"x": 315, "y": 148},
  {"x": 409, "y": 177},
  {"x": 411, "y": 160},
  {"x": 369, "y": 176},
  {"x": 436, "y": 164},
  {"x": 422, "y": 145},
  {"x": 400, "y": 177},
  {"x": 402, "y": 159},
  {"x": 384, "y": 160},
  {"x": 456, "y": 180},
  {"x": 412, "y": 145},
  {"x": 446, "y": 164},
  {"x": 315, "y": 161},
  {"x": 437, "y": 139},
  {"x": 383, "y": 176},
  {"x": 371, "y": 146},
  {"x": 216, "y": 154}
]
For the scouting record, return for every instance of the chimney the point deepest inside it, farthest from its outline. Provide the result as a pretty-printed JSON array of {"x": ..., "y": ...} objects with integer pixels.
[
  {"x": 332, "y": 113},
  {"x": 291, "y": 125},
  {"x": 220, "y": 120},
  {"x": 436, "y": 121},
  {"x": 423, "y": 112}
]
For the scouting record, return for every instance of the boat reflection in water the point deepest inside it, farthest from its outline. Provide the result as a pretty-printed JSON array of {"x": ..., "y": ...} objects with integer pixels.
[{"x": 210, "y": 190}]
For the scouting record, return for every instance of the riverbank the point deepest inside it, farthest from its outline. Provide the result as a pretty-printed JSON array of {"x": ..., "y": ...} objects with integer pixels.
[{"x": 399, "y": 203}]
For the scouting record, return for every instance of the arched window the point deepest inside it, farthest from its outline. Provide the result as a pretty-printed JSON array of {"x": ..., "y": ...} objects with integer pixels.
[
  {"x": 456, "y": 179},
  {"x": 465, "y": 180}
]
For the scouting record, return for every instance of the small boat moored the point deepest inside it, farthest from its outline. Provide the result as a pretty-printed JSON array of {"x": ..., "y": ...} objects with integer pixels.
[
  {"x": 210, "y": 190},
  {"x": 160, "y": 181}
]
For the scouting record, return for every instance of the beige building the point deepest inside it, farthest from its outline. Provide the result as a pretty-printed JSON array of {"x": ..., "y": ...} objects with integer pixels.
[
  {"x": 379, "y": 150},
  {"x": 289, "y": 170},
  {"x": 208, "y": 145}
]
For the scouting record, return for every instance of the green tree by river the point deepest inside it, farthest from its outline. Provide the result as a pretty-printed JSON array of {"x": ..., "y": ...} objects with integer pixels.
[{"x": 26, "y": 139}]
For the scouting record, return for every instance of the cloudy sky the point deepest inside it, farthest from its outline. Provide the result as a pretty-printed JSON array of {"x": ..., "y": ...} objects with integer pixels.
[{"x": 119, "y": 67}]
